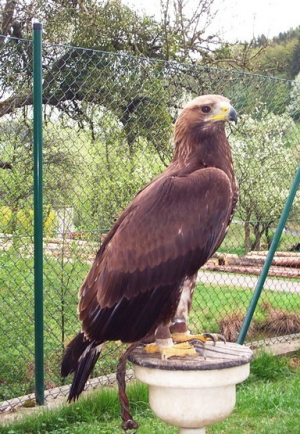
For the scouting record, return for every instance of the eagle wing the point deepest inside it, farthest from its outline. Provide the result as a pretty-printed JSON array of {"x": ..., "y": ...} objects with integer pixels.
[{"x": 165, "y": 235}]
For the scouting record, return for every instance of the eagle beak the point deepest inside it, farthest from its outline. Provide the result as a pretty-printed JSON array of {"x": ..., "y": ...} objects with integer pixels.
[
  {"x": 226, "y": 113},
  {"x": 232, "y": 115}
]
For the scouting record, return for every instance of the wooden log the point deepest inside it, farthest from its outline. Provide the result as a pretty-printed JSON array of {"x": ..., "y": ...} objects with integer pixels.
[
  {"x": 265, "y": 252},
  {"x": 274, "y": 271},
  {"x": 260, "y": 260}
]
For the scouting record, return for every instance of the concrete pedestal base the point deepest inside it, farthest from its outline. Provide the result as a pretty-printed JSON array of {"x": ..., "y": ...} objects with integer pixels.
[{"x": 193, "y": 392}]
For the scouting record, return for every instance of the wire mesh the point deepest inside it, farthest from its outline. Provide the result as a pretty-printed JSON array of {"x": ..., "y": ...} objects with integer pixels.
[{"x": 107, "y": 131}]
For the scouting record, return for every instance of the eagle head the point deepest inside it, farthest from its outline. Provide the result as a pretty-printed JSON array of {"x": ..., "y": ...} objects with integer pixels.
[
  {"x": 201, "y": 126},
  {"x": 207, "y": 108}
]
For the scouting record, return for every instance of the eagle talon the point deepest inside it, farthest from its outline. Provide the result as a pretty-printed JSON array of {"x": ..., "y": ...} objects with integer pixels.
[
  {"x": 221, "y": 338},
  {"x": 176, "y": 350},
  {"x": 214, "y": 337},
  {"x": 204, "y": 337},
  {"x": 199, "y": 347}
]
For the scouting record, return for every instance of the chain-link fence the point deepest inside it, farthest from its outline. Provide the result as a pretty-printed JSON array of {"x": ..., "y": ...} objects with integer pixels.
[{"x": 107, "y": 131}]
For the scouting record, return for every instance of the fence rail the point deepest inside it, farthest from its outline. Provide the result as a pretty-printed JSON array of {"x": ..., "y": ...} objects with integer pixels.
[{"x": 107, "y": 131}]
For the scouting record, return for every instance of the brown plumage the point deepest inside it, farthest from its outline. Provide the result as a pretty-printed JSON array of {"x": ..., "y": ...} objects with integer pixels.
[{"x": 169, "y": 230}]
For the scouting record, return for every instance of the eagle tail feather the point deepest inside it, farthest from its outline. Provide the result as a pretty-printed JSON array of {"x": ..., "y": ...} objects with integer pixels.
[{"x": 80, "y": 358}]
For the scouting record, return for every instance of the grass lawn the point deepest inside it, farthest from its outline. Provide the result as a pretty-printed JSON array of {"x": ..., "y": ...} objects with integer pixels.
[
  {"x": 211, "y": 303},
  {"x": 268, "y": 402}
]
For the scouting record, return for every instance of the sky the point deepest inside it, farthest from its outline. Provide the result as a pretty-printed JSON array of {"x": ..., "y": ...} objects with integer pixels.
[{"x": 243, "y": 19}]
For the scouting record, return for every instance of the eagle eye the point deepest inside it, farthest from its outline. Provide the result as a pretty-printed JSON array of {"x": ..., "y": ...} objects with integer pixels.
[{"x": 205, "y": 109}]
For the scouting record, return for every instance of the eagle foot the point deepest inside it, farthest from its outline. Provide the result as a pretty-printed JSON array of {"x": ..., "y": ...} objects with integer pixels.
[
  {"x": 198, "y": 341},
  {"x": 183, "y": 344},
  {"x": 176, "y": 350},
  {"x": 203, "y": 337}
]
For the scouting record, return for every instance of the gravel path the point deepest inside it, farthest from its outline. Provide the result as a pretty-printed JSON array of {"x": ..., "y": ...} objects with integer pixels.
[{"x": 244, "y": 281}]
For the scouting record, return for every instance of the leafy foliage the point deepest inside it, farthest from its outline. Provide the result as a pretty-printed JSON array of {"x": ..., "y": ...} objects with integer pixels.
[
  {"x": 21, "y": 221},
  {"x": 280, "y": 56},
  {"x": 265, "y": 161},
  {"x": 294, "y": 106}
]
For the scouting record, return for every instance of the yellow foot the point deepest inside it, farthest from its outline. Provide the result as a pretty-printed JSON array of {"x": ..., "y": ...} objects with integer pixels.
[
  {"x": 177, "y": 350},
  {"x": 203, "y": 337}
]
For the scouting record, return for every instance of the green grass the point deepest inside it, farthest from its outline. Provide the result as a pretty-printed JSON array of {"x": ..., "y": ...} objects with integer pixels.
[
  {"x": 211, "y": 305},
  {"x": 61, "y": 284},
  {"x": 62, "y": 281},
  {"x": 268, "y": 402},
  {"x": 234, "y": 240}
]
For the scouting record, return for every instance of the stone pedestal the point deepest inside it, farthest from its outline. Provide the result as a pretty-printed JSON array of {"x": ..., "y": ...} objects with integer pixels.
[{"x": 193, "y": 392}]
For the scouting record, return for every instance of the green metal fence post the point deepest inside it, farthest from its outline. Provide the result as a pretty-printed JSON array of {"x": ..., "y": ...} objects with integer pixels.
[
  {"x": 38, "y": 212},
  {"x": 269, "y": 258}
]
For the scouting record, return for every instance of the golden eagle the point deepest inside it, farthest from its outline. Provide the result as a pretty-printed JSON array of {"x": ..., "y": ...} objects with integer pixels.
[{"x": 159, "y": 242}]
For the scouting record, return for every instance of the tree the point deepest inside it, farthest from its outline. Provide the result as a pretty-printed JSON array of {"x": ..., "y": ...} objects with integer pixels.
[
  {"x": 294, "y": 106},
  {"x": 132, "y": 88},
  {"x": 294, "y": 64},
  {"x": 60, "y": 168},
  {"x": 265, "y": 163},
  {"x": 183, "y": 32},
  {"x": 109, "y": 25}
]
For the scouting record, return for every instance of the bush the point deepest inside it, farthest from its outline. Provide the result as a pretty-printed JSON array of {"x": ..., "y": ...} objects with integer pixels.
[{"x": 21, "y": 221}]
